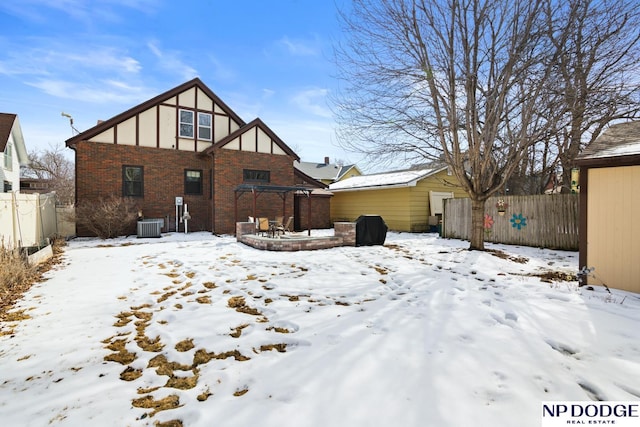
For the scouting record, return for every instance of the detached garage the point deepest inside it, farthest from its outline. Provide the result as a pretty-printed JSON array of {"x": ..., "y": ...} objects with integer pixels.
[
  {"x": 407, "y": 200},
  {"x": 609, "y": 208}
]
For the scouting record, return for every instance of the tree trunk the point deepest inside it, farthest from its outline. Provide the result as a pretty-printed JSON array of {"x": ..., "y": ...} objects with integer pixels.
[{"x": 477, "y": 225}]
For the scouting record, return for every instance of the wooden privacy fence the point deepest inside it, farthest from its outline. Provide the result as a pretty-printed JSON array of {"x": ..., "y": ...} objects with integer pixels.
[{"x": 546, "y": 221}]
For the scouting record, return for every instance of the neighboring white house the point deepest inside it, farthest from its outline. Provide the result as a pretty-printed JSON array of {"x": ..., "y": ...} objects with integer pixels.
[{"x": 14, "y": 153}]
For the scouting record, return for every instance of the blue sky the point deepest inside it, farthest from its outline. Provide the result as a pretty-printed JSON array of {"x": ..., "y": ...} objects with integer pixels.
[{"x": 95, "y": 59}]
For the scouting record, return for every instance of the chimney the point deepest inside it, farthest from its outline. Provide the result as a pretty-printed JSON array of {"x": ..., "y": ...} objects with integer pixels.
[{"x": 326, "y": 160}]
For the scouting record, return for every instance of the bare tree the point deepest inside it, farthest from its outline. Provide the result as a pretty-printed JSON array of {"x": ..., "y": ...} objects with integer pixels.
[
  {"x": 597, "y": 74},
  {"x": 53, "y": 166},
  {"x": 500, "y": 90},
  {"x": 452, "y": 79}
]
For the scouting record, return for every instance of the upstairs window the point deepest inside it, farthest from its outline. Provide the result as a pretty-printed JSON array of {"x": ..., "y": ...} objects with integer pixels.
[
  {"x": 132, "y": 181},
  {"x": 8, "y": 157},
  {"x": 256, "y": 176},
  {"x": 204, "y": 126},
  {"x": 186, "y": 124},
  {"x": 192, "y": 181}
]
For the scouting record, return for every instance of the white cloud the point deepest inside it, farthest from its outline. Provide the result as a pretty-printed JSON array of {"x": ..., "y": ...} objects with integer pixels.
[
  {"x": 219, "y": 70},
  {"x": 171, "y": 62},
  {"x": 300, "y": 47},
  {"x": 312, "y": 101},
  {"x": 67, "y": 58},
  {"x": 86, "y": 12},
  {"x": 102, "y": 92}
]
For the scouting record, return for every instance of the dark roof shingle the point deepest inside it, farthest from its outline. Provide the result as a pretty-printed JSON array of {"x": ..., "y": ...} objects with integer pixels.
[
  {"x": 6, "y": 124},
  {"x": 622, "y": 139}
]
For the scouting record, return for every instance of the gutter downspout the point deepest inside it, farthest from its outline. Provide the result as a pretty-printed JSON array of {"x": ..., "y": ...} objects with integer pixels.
[{"x": 213, "y": 194}]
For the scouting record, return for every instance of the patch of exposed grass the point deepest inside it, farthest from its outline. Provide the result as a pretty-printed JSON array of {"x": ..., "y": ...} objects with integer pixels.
[
  {"x": 120, "y": 353},
  {"x": 202, "y": 356},
  {"x": 281, "y": 348},
  {"x": 143, "y": 315},
  {"x": 185, "y": 345},
  {"x": 148, "y": 402},
  {"x": 183, "y": 383},
  {"x": 209, "y": 285},
  {"x": 170, "y": 423},
  {"x": 237, "y": 331},
  {"x": 165, "y": 367},
  {"x": 147, "y": 390},
  {"x": 204, "y": 395},
  {"x": 239, "y": 304},
  {"x": 130, "y": 374},
  {"x": 279, "y": 330},
  {"x": 167, "y": 295},
  {"x": 15, "y": 316},
  {"x": 242, "y": 392},
  {"x": 204, "y": 299},
  {"x": 555, "y": 276},
  {"x": 17, "y": 275},
  {"x": 147, "y": 344},
  {"x": 123, "y": 319}
]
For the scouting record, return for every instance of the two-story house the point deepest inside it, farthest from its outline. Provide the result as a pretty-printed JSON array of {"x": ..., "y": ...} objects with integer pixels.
[{"x": 187, "y": 147}]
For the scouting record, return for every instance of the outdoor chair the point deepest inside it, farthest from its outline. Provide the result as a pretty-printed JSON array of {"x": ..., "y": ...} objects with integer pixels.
[
  {"x": 286, "y": 227},
  {"x": 263, "y": 225}
]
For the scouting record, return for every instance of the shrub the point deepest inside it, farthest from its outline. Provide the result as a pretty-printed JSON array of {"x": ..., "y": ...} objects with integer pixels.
[
  {"x": 15, "y": 273},
  {"x": 107, "y": 217}
]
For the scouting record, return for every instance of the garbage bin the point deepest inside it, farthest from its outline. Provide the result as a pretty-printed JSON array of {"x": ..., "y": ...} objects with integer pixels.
[{"x": 370, "y": 230}]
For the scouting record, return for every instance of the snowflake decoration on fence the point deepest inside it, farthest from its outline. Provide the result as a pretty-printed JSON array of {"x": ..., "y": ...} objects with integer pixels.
[{"x": 518, "y": 221}]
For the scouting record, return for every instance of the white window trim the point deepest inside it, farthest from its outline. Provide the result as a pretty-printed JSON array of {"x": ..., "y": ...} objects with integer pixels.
[
  {"x": 8, "y": 157},
  {"x": 210, "y": 127},
  {"x": 180, "y": 123}
]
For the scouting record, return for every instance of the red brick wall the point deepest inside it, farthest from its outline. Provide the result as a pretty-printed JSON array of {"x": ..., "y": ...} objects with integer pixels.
[
  {"x": 229, "y": 166},
  {"x": 99, "y": 174},
  {"x": 320, "y": 212}
]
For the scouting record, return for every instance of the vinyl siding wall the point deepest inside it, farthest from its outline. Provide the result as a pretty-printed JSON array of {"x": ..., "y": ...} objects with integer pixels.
[{"x": 403, "y": 208}]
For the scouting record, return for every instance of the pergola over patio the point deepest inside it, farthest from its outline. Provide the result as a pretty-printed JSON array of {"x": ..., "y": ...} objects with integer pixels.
[{"x": 280, "y": 190}]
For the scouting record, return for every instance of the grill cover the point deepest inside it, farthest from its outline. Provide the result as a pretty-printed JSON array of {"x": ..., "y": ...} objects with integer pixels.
[{"x": 370, "y": 230}]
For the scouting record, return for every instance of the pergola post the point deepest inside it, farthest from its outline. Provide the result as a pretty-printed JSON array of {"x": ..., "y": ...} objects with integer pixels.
[
  {"x": 308, "y": 212},
  {"x": 281, "y": 190}
]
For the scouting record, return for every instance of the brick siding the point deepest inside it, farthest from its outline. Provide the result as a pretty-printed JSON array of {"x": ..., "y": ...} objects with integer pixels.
[
  {"x": 229, "y": 166},
  {"x": 99, "y": 175}
]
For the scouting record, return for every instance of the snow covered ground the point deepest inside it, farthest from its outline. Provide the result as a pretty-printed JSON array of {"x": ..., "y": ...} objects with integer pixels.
[{"x": 207, "y": 331}]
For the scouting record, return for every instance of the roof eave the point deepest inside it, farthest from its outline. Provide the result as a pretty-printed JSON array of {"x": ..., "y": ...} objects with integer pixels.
[
  {"x": 91, "y": 132},
  {"x": 257, "y": 122},
  {"x": 594, "y": 161},
  {"x": 375, "y": 187},
  {"x": 18, "y": 139}
]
